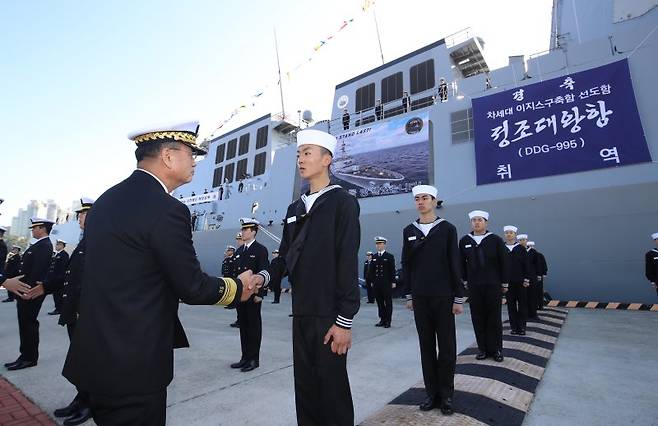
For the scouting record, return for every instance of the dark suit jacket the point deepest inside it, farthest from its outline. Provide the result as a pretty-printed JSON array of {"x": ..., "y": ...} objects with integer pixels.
[
  {"x": 72, "y": 286},
  {"x": 382, "y": 270},
  {"x": 13, "y": 266},
  {"x": 36, "y": 262},
  {"x": 3, "y": 256},
  {"x": 55, "y": 277},
  {"x": 139, "y": 262},
  {"x": 253, "y": 258}
]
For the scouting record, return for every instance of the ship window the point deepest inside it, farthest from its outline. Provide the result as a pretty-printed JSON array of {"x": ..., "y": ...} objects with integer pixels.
[
  {"x": 228, "y": 172},
  {"x": 422, "y": 76},
  {"x": 230, "y": 149},
  {"x": 259, "y": 163},
  {"x": 461, "y": 126},
  {"x": 244, "y": 144},
  {"x": 365, "y": 97},
  {"x": 219, "y": 155},
  {"x": 261, "y": 137},
  {"x": 217, "y": 177},
  {"x": 392, "y": 87},
  {"x": 241, "y": 171}
]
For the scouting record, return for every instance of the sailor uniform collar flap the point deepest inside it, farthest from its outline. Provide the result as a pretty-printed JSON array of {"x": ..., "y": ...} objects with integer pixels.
[
  {"x": 483, "y": 237},
  {"x": 434, "y": 227}
]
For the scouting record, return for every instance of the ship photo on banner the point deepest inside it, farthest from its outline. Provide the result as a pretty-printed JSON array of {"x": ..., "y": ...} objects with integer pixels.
[
  {"x": 385, "y": 158},
  {"x": 582, "y": 121}
]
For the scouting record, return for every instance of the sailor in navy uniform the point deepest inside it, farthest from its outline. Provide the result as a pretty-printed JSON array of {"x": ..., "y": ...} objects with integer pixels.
[
  {"x": 434, "y": 290},
  {"x": 276, "y": 285},
  {"x": 228, "y": 264},
  {"x": 139, "y": 263},
  {"x": 12, "y": 268},
  {"x": 542, "y": 269},
  {"x": 56, "y": 274},
  {"x": 519, "y": 280},
  {"x": 651, "y": 263},
  {"x": 34, "y": 269},
  {"x": 382, "y": 277},
  {"x": 366, "y": 277},
  {"x": 251, "y": 256},
  {"x": 78, "y": 411},
  {"x": 486, "y": 273},
  {"x": 238, "y": 244},
  {"x": 319, "y": 253},
  {"x": 532, "y": 264}
]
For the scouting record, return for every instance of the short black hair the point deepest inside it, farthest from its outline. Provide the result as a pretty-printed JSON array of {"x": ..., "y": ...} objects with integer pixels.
[
  {"x": 48, "y": 227},
  {"x": 152, "y": 149}
]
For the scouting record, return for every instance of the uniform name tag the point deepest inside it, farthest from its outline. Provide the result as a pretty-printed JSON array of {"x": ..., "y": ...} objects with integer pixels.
[
  {"x": 467, "y": 246},
  {"x": 412, "y": 238},
  {"x": 291, "y": 219}
]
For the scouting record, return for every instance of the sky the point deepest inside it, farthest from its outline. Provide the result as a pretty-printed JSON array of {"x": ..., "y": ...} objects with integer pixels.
[{"x": 77, "y": 76}]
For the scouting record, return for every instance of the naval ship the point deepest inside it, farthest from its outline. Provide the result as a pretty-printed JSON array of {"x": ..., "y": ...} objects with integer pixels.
[{"x": 559, "y": 143}]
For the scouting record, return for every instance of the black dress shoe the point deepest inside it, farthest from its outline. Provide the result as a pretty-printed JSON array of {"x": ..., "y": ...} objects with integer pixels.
[
  {"x": 79, "y": 417},
  {"x": 235, "y": 324},
  {"x": 379, "y": 324},
  {"x": 498, "y": 357},
  {"x": 21, "y": 365},
  {"x": 522, "y": 332},
  {"x": 250, "y": 365},
  {"x": 7, "y": 300},
  {"x": 446, "y": 407},
  {"x": 481, "y": 355},
  {"x": 371, "y": 302},
  {"x": 387, "y": 325},
  {"x": 429, "y": 404},
  {"x": 69, "y": 410},
  {"x": 239, "y": 364},
  {"x": 54, "y": 312},
  {"x": 9, "y": 364},
  {"x": 513, "y": 332},
  {"x": 275, "y": 302}
]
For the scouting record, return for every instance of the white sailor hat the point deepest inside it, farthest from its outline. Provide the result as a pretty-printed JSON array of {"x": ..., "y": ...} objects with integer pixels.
[
  {"x": 85, "y": 204},
  {"x": 380, "y": 239},
  {"x": 316, "y": 137},
  {"x": 510, "y": 228},
  {"x": 522, "y": 237},
  {"x": 654, "y": 236},
  {"x": 275, "y": 251},
  {"x": 424, "y": 189},
  {"x": 247, "y": 222},
  {"x": 238, "y": 236},
  {"x": 531, "y": 243},
  {"x": 61, "y": 242},
  {"x": 368, "y": 253},
  {"x": 185, "y": 133},
  {"x": 478, "y": 213},
  {"x": 230, "y": 248},
  {"x": 3, "y": 229},
  {"x": 37, "y": 221}
]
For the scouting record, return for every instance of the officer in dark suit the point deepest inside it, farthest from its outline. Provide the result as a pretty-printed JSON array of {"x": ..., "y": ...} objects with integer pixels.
[
  {"x": 228, "y": 264},
  {"x": 139, "y": 262},
  {"x": 275, "y": 285},
  {"x": 251, "y": 256},
  {"x": 382, "y": 276},
  {"x": 34, "y": 268},
  {"x": 12, "y": 268},
  {"x": 366, "y": 276},
  {"x": 55, "y": 277}
]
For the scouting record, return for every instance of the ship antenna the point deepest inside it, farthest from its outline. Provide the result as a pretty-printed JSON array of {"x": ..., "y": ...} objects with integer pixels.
[
  {"x": 278, "y": 64},
  {"x": 379, "y": 40}
]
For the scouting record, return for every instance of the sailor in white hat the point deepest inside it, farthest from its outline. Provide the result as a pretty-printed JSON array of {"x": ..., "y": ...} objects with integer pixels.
[
  {"x": 434, "y": 290},
  {"x": 517, "y": 294},
  {"x": 538, "y": 263},
  {"x": 382, "y": 276},
  {"x": 486, "y": 272},
  {"x": 370, "y": 291},
  {"x": 56, "y": 275},
  {"x": 651, "y": 263},
  {"x": 533, "y": 268}
]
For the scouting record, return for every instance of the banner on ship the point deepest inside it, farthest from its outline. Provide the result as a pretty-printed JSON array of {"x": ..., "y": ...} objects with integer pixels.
[
  {"x": 385, "y": 157},
  {"x": 582, "y": 121}
]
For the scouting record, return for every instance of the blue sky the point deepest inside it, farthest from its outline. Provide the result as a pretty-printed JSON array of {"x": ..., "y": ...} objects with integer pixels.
[{"x": 77, "y": 76}]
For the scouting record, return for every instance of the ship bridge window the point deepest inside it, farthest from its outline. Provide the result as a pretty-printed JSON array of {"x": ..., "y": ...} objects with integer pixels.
[
  {"x": 365, "y": 97},
  {"x": 228, "y": 172},
  {"x": 217, "y": 177},
  {"x": 461, "y": 126},
  {"x": 241, "y": 171},
  {"x": 261, "y": 137},
  {"x": 259, "y": 163},
  {"x": 244, "y": 144},
  {"x": 422, "y": 76},
  {"x": 230, "y": 149},
  {"x": 219, "y": 155},
  {"x": 392, "y": 87}
]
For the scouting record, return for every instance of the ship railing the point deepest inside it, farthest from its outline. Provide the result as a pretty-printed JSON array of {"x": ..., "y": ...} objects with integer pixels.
[{"x": 458, "y": 37}]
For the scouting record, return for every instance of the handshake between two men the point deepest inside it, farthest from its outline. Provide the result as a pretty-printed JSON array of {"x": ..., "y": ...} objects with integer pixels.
[{"x": 251, "y": 283}]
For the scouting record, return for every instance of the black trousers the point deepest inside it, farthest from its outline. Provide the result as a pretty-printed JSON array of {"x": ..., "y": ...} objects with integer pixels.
[
  {"x": 276, "y": 289},
  {"x": 517, "y": 306},
  {"x": 57, "y": 298},
  {"x": 540, "y": 293},
  {"x": 533, "y": 289},
  {"x": 370, "y": 292},
  {"x": 129, "y": 410},
  {"x": 486, "y": 302},
  {"x": 435, "y": 323},
  {"x": 81, "y": 397},
  {"x": 28, "y": 327},
  {"x": 384, "y": 297},
  {"x": 322, "y": 388},
  {"x": 251, "y": 330}
]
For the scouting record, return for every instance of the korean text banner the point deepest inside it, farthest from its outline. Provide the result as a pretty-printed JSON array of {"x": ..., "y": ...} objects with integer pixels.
[
  {"x": 582, "y": 121},
  {"x": 384, "y": 158}
]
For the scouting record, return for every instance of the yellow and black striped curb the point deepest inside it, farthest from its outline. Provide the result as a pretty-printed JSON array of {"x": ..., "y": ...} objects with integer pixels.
[
  {"x": 486, "y": 392},
  {"x": 604, "y": 305}
]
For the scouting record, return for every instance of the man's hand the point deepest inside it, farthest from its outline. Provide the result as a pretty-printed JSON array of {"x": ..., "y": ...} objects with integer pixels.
[
  {"x": 340, "y": 338},
  {"x": 258, "y": 299},
  {"x": 35, "y": 292},
  {"x": 16, "y": 286},
  {"x": 410, "y": 305},
  {"x": 457, "y": 309},
  {"x": 247, "y": 288},
  {"x": 257, "y": 280}
]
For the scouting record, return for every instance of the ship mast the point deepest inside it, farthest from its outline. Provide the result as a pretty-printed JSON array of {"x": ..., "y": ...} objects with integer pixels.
[{"x": 278, "y": 64}]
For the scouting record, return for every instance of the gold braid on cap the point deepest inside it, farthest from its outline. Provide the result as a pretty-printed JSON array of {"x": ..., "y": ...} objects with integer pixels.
[{"x": 184, "y": 137}]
